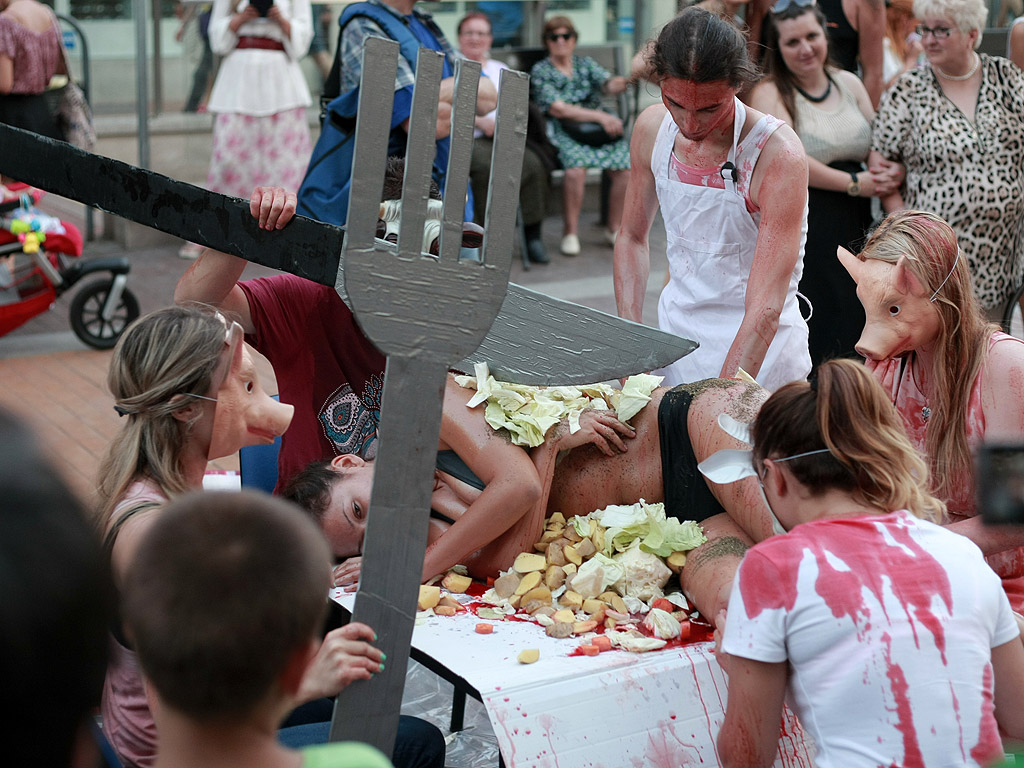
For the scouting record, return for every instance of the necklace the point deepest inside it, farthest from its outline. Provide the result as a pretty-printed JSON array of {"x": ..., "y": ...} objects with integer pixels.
[
  {"x": 968, "y": 76},
  {"x": 816, "y": 99}
]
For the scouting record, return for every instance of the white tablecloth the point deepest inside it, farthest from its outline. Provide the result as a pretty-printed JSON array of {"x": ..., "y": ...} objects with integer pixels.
[{"x": 660, "y": 709}]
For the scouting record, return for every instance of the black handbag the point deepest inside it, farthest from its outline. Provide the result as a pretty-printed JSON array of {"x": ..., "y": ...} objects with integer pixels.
[{"x": 589, "y": 132}]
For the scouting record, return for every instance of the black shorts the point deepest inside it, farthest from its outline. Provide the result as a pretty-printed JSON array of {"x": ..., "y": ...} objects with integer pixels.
[{"x": 687, "y": 495}]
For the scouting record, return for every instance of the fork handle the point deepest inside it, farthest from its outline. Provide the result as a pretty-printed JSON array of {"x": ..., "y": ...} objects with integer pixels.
[{"x": 394, "y": 546}]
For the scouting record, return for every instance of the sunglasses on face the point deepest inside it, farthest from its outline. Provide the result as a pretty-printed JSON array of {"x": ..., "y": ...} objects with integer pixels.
[
  {"x": 939, "y": 33},
  {"x": 783, "y": 5},
  {"x": 554, "y": 37}
]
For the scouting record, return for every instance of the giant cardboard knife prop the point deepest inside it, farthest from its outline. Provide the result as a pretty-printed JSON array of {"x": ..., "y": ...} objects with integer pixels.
[
  {"x": 426, "y": 314},
  {"x": 535, "y": 339}
]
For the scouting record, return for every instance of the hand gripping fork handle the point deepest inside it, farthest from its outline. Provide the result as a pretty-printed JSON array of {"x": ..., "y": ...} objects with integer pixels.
[{"x": 425, "y": 314}]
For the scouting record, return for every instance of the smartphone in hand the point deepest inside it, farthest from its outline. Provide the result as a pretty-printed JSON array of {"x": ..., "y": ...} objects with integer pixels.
[{"x": 263, "y": 6}]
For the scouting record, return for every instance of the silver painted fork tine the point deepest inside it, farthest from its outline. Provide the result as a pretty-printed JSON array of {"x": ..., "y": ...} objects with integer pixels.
[
  {"x": 419, "y": 154},
  {"x": 380, "y": 66},
  {"x": 506, "y": 168},
  {"x": 467, "y": 76}
]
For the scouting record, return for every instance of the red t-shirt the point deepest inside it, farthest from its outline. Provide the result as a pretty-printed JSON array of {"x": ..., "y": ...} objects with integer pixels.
[{"x": 325, "y": 367}]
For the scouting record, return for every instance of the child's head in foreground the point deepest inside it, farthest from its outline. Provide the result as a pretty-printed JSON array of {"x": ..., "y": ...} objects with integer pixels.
[{"x": 227, "y": 592}]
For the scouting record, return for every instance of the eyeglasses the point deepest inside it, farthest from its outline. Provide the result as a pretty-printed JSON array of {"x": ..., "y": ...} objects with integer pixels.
[
  {"x": 554, "y": 37},
  {"x": 783, "y": 5},
  {"x": 474, "y": 33},
  {"x": 939, "y": 33}
]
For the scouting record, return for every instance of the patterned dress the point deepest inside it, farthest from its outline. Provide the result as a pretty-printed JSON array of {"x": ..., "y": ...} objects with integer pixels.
[
  {"x": 583, "y": 89},
  {"x": 260, "y": 133},
  {"x": 970, "y": 174}
]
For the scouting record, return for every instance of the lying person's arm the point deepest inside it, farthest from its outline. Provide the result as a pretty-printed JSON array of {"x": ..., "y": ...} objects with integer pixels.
[{"x": 508, "y": 515}]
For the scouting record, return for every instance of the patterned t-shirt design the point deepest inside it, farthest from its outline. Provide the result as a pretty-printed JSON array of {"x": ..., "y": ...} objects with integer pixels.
[{"x": 350, "y": 421}]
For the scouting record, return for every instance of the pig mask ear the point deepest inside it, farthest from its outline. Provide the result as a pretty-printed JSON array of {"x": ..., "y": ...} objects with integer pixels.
[
  {"x": 852, "y": 264},
  {"x": 906, "y": 281}
]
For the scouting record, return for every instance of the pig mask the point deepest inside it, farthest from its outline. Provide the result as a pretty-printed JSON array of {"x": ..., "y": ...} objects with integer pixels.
[
  {"x": 245, "y": 413},
  {"x": 900, "y": 314}
]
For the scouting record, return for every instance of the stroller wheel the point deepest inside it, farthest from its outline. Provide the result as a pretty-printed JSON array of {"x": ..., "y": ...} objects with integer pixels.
[{"x": 86, "y": 314}]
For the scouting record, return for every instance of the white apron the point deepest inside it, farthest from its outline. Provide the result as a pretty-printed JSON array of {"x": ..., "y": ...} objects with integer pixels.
[{"x": 711, "y": 239}]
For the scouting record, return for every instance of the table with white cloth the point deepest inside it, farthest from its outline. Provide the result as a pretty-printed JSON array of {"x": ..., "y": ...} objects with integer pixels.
[{"x": 618, "y": 709}]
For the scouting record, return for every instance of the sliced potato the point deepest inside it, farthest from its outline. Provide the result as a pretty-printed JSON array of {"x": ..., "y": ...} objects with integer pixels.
[
  {"x": 554, "y": 577},
  {"x": 455, "y": 582},
  {"x": 528, "y": 582},
  {"x": 541, "y": 593},
  {"x": 571, "y": 599},
  {"x": 428, "y": 598},
  {"x": 572, "y": 555},
  {"x": 564, "y": 616},
  {"x": 555, "y": 554},
  {"x": 560, "y": 629},
  {"x": 586, "y": 548},
  {"x": 505, "y": 585},
  {"x": 529, "y": 656},
  {"x": 528, "y": 562}
]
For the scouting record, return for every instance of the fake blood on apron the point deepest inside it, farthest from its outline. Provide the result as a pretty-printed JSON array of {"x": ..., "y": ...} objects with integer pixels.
[{"x": 711, "y": 238}]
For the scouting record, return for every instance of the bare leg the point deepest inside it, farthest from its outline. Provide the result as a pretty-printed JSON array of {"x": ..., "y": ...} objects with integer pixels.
[
  {"x": 710, "y": 568},
  {"x": 572, "y": 198}
]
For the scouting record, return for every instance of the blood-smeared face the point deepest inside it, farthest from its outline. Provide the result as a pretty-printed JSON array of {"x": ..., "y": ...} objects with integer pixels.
[{"x": 699, "y": 109}]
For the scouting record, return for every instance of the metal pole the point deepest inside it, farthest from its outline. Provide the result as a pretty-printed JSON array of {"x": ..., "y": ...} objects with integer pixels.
[
  {"x": 141, "y": 82},
  {"x": 158, "y": 67}
]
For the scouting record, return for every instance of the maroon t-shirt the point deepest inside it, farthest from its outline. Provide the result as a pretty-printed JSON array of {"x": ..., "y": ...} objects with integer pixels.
[{"x": 325, "y": 367}]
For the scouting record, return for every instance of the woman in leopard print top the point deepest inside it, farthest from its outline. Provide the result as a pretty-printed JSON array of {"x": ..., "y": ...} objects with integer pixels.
[{"x": 958, "y": 126}]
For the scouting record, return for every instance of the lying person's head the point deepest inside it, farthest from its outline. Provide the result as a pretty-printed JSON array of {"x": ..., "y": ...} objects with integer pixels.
[
  {"x": 337, "y": 495},
  {"x": 223, "y": 603},
  {"x": 839, "y": 432}
]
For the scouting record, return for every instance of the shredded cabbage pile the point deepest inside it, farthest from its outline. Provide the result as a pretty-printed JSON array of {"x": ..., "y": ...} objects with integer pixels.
[
  {"x": 658, "y": 534},
  {"x": 528, "y": 412}
]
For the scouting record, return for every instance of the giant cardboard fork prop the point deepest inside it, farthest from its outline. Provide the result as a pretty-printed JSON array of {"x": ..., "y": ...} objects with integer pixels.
[{"x": 426, "y": 314}]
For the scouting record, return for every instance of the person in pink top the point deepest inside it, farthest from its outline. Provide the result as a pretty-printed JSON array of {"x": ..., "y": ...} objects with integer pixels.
[
  {"x": 892, "y": 637},
  {"x": 956, "y": 380},
  {"x": 30, "y": 54}
]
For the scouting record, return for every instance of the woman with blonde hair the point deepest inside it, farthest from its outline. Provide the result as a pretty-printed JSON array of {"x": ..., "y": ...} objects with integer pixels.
[
  {"x": 880, "y": 623},
  {"x": 953, "y": 377},
  {"x": 165, "y": 374}
]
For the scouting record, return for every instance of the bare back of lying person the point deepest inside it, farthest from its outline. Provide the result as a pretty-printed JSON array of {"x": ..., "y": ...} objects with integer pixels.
[{"x": 605, "y": 462}]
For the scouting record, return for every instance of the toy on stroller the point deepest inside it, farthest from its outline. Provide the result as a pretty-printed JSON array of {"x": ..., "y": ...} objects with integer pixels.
[{"x": 99, "y": 312}]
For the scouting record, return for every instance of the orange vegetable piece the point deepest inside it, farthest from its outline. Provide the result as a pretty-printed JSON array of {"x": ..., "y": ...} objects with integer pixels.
[
  {"x": 663, "y": 604},
  {"x": 590, "y": 650},
  {"x": 602, "y": 643},
  {"x": 684, "y": 630},
  {"x": 484, "y": 629}
]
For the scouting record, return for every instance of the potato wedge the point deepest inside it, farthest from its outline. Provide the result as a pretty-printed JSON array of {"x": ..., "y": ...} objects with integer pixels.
[
  {"x": 428, "y": 597},
  {"x": 528, "y": 656},
  {"x": 528, "y": 582},
  {"x": 455, "y": 582},
  {"x": 528, "y": 562}
]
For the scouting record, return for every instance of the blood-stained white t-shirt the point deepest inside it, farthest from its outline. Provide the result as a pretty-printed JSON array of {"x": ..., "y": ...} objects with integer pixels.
[{"x": 888, "y": 623}]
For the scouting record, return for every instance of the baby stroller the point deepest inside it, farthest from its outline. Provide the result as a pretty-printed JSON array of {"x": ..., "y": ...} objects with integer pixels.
[{"x": 40, "y": 259}]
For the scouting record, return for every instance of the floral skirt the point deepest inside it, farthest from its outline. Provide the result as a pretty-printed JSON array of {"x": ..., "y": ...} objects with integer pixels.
[{"x": 251, "y": 151}]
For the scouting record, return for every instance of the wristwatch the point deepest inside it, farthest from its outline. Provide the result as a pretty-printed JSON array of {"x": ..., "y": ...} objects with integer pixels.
[{"x": 853, "y": 188}]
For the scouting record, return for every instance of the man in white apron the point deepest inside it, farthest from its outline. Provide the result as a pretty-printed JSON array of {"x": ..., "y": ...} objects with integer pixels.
[{"x": 732, "y": 187}]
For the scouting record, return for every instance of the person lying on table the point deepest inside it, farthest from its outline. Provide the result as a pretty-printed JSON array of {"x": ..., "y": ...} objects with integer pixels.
[{"x": 501, "y": 511}]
